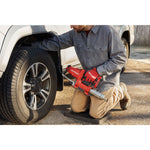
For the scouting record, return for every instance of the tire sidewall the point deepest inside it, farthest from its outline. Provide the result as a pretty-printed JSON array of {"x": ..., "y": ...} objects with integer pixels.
[
  {"x": 33, "y": 57},
  {"x": 126, "y": 45}
]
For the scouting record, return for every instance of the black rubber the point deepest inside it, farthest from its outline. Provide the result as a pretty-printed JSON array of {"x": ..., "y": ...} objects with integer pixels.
[
  {"x": 12, "y": 105},
  {"x": 126, "y": 45}
]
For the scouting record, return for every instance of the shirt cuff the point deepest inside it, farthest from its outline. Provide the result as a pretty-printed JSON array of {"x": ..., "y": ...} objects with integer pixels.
[{"x": 100, "y": 70}]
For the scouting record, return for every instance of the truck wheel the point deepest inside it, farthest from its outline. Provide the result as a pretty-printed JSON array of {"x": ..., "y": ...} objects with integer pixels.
[
  {"x": 28, "y": 86},
  {"x": 126, "y": 46}
]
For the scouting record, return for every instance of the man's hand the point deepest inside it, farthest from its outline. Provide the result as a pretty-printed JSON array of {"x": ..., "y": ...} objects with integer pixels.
[{"x": 91, "y": 75}]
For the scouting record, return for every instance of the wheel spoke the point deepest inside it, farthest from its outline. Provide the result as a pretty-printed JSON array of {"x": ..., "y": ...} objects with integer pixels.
[
  {"x": 34, "y": 69},
  {"x": 44, "y": 94},
  {"x": 26, "y": 87},
  {"x": 33, "y": 103},
  {"x": 45, "y": 75},
  {"x": 36, "y": 85}
]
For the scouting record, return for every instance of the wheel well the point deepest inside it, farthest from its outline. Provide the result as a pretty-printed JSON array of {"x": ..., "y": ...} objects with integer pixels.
[
  {"x": 126, "y": 35},
  {"x": 27, "y": 42}
]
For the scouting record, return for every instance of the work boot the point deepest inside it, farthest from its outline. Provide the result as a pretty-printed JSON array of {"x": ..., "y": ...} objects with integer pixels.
[{"x": 126, "y": 101}]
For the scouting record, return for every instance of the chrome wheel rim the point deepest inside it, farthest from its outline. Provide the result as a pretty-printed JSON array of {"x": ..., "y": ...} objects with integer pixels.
[{"x": 36, "y": 86}]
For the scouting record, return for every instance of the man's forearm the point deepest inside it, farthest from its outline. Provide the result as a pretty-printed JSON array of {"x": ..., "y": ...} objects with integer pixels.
[
  {"x": 57, "y": 42},
  {"x": 51, "y": 44},
  {"x": 112, "y": 65}
]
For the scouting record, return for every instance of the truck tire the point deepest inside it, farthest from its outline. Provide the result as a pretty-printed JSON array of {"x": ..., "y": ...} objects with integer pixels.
[
  {"x": 126, "y": 46},
  {"x": 29, "y": 86}
]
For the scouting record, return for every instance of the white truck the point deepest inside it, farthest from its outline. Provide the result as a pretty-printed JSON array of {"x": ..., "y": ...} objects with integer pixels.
[{"x": 29, "y": 78}]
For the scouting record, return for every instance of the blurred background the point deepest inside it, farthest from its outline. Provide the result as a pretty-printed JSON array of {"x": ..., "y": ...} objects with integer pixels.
[{"x": 142, "y": 35}]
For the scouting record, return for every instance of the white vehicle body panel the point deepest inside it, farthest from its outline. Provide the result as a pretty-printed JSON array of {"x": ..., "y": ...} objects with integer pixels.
[
  {"x": 123, "y": 28},
  {"x": 3, "y": 31}
]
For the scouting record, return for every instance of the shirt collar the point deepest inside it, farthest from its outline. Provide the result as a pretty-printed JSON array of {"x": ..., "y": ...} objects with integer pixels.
[{"x": 95, "y": 29}]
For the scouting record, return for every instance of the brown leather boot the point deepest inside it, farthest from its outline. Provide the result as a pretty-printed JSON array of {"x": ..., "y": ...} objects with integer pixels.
[{"x": 126, "y": 101}]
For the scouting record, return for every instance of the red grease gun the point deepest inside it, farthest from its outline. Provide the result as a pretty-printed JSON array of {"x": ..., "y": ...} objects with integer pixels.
[{"x": 82, "y": 81}]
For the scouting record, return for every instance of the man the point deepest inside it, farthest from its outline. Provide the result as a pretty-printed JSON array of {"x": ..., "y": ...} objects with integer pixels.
[{"x": 97, "y": 47}]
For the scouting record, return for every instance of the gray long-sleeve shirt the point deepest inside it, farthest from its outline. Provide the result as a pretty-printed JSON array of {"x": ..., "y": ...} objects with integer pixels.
[{"x": 102, "y": 48}]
